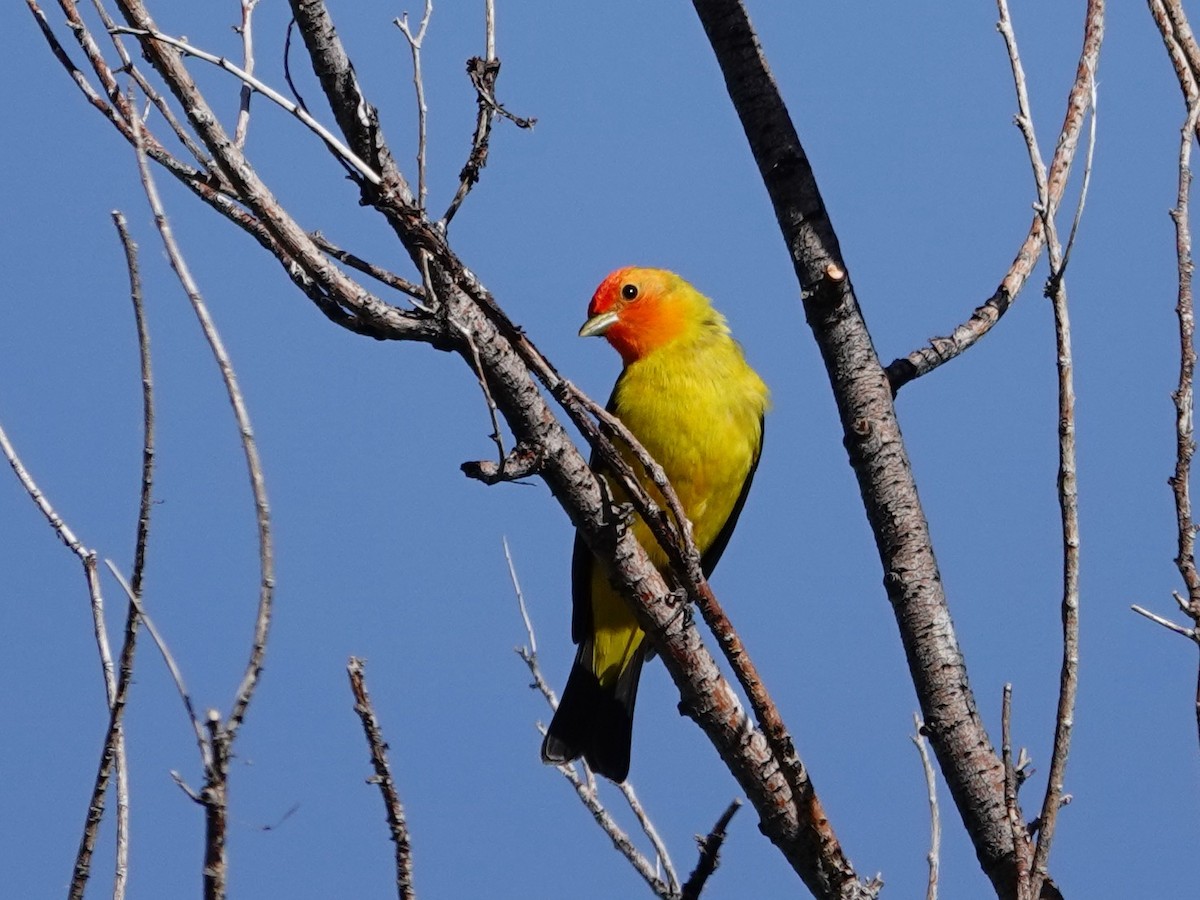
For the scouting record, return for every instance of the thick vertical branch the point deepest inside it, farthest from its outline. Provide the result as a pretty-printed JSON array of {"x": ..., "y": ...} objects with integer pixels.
[
  {"x": 873, "y": 440},
  {"x": 215, "y": 799}
]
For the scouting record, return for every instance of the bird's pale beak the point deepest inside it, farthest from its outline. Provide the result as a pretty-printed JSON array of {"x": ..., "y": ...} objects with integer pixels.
[{"x": 597, "y": 325}]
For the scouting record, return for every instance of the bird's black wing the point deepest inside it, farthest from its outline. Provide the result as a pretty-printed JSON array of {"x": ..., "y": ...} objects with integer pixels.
[{"x": 708, "y": 561}]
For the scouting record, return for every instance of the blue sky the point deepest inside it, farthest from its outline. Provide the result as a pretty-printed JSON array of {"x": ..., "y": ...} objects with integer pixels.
[{"x": 386, "y": 552}]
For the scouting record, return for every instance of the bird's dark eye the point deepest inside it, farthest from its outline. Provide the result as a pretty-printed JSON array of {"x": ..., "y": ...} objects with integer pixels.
[{"x": 629, "y": 292}]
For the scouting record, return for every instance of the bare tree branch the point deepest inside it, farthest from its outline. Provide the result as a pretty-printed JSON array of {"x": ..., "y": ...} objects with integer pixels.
[
  {"x": 249, "y": 448},
  {"x": 1184, "y": 53},
  {"x": 117, "y": 108},
  {"x": 943, "y": 349},
  {"x": 935, "y": 817},
  {"x": 973, "y": 772},
  {"x": 1181, "y": 47},
  {"x": 113, "y": 756},
  {"x": 710, "y": 852},
  {"x": 483, "y": 73},
  {"x": 169, "y": 659},
  {"x": 391, "y": 279},
  {"x": 1020, "y": 834},
  {"x": 339, "y": 297},
  {"x": 585, "y": 787},
  {"x": 221, "y": 733},
  {"x": 1189, "y": 633},
  {"x": 61, "y": 528},
  {"x": 414, "y": 45},
  {"x": 249, "y": 81},
  {"x": 342, "y": 301},
  {"x": 1068, "y": 494},
  {"x": 397, "y": 823},
  {"x": 247, "y": 32},
  {"x": 100, "y": 67}
]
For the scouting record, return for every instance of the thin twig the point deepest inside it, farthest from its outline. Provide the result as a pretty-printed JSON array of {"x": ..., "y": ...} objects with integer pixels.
[
  {"x": 477, "y": 158},
  {"x": 1068, "y": 492},
  {"x": 529, "y": 632},
  {"x": 220, "y": 734},
  {"x": 397, "y": 823},
  {"x": 1047, "y": 206},
  {"x": 114, "y": 752},
  {"x": 647, "y": 825},
  {"x": 100, "y": 628},
  {"x": 585, "y": 787},
  {"x": 1190, "y": 633},
  {"x": 247, "y": 32},
  {"x": 1020, "y": 835},
  {"x": 146, "y": 498},
  {"x": 941, "y": 350},
  {"x": 1068, "y": 498},
  {"x": 141, "y": 540},
  {"x": 710, "y": 852},
  {"x": 168, "y": 658},
  {"x": 497, "y": 435},
  {"x": 186, "y": 788},
  {"x": 414, "y": 46},
  {"x": 64, "y": 532},
  {"x": 380, "y": 274},
  {"x": 287, "y": 64},
  {"x": 127, "y": 65},
  {"x": 86, "y": 556},
  {"x": 1180, "y": 41},
  {"x": 1185, "y": 56},
  {"x": 489, "y": 27},
  {"x": 269, "y": 92},
  {"x": 935, "y": 817},
  {"x": 249, "y": 448},
  {"x": 483, "y": 73},
  {"x": 1089, "y": 158}
]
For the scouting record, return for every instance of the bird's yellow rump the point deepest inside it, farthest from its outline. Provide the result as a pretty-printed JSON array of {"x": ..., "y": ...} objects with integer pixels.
[{"x": 688, "y": 394}]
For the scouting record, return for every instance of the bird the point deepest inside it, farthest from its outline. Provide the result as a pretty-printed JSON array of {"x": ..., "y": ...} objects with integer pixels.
[{"x": 688, "y": 395}]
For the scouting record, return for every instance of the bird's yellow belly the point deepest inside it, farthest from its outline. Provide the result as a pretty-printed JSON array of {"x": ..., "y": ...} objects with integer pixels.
[{"x": 704, "y": 427}]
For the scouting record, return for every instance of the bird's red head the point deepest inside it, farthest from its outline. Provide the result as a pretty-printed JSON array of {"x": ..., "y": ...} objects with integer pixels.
[{"x": 639, "y": 310}]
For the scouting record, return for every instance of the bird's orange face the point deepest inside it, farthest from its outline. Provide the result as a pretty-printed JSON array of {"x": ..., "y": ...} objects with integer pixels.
[{"x": 633, "y": 310}]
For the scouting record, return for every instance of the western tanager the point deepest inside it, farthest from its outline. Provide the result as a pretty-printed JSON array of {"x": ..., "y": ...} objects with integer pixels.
[{"x": 687, "y": 393}]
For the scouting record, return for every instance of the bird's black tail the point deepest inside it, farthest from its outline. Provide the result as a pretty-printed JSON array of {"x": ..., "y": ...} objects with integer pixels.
[{"x": 593, "y": 721}]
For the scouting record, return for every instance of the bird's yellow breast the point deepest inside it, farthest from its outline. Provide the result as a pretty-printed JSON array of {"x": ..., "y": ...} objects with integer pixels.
[{"x": 697, "y": 407}]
